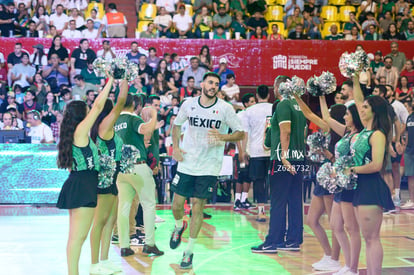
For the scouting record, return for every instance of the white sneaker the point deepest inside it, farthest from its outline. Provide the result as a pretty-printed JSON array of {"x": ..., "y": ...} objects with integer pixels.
[
  {"x": 349, "y": 272},
  {"x": 341, "y": 271},
  {"x": 158, "y": 219},
  {"x": 136, "y": 241},
  {"x": 115, "y": 267},
  {"x": 327, "y": 264},
  {"x": 99, "y": 269},
  {"x": 408, "y": 205},
  {"x": 324, "y": 258}
]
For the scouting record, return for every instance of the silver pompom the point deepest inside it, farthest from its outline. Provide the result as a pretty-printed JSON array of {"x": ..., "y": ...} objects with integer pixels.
[
  {"x": 290, "y": 87},
  {"x": 317, "y": 143},
  {"x": 351, "y": 63},
  {"x": 130, "y": 154},
  {"x": 107, "y": 167},
  {"x": 118, "y": 68},
  {"x": 321, "y": 85}
]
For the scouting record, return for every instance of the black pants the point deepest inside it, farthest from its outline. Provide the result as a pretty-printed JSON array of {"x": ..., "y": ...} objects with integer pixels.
[{"x": 258, "y": 170}]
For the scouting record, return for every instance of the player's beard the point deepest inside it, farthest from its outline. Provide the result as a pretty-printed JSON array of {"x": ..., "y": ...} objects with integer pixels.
[{"x": 210, "y": 96}]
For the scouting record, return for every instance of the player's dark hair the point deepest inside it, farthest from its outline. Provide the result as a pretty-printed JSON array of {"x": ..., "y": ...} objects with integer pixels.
[
  {"x": 246, "y": 98},
  {"x": 211, "y": 74},
  {"x": 263, "y": 91}
]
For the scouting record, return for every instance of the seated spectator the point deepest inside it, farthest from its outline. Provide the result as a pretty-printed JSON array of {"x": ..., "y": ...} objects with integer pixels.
[
  {"x": 50, "y": 109},
  {"x": 57, "y": 48},
  {"x": 137, "y": 88},
  {"x": 96, "y": 21},
  {"x": 56, "y": 73},
  {"x": 334, "y": 33},
  {"x": 90, "y": 98},
  {"x": 311, "y": 25},
  {"x": 13, "y": 59},
  {"x": 256, "y": 20},
  {"x": 203, "y": 23},
  {"x": 52, "y": 32},
  {"x": 163, "y": 88},
  {"x": 55, "y": 126},
  {"x": 23, "y": 73},
  {"x": 31, "y": 30},
  {"x": 254, "y": 6},
  {"x": 163, "y": 23},
  {"x": 90, "y": 32},
  {"x": 79, "y": 20},
  {"x": 275, "y": 33},
  {"x": 389, "y": 72},
  {"x": 59, "y": 19},
  {"x": 89, "y": 75},
  {"x": 80, "y": 56},
  {"x": 409, "y": 72},
  {"x": 372, "y": 33},
  {"x": 370, "y": 20},
  {"x": 178, "y": 65},
  {"x": 134, "y": 54},
  {"x": 72, "y": 32},
  {"x": 40, "y": 87},
  {"x": 400, "y": 5},
  {"x": 392, "y": 33},
  {"x": 231, "y": 89},
  {"x": 386, "y": 21},
  {"x": 167, "y": 5},
  {"x": 81, "y": 87},
  {"x": 10, "y": 102},
  {"x": 195, "y": 71},
  {"x": 298, "y": 33},
  {"x": 186, "y": 92},
  {"x": 221, "y": 3},
  {"x": 145, "y": 72},
  {"x": 238, "y": 25},
  {"x": 238, "y": 6},
  {"x": 38, "y": 59},
  {"x": 149, "y": 32},
  {"x": 403, "y": 91},
  {"x": 409, "y": 33},
  {"x": 223, "y": 71},
  {"x": 205, "y": 58},
  {"x": 222, "y": 18},
  {"x": 9, "y": 122},
  {"x": 6, "y": 21},
  {"x": 384, "y": 6},
  {"x": 405, "y": 19},
  {"x": 56, "y": 3},
  {"x": 354, "y": 35},
  {"x": 18, "y": 91},
  {"x": 153, "y": 59},
  {"x": 258, "y": 34},
  {"x": 39, "y": 132},
  {"x": 198, "y": 4},
  {"x": 163, "y": 68},
  {"x": 66, "y": 97},
  {"x": 376, "y": 64},
  {"x": 115, "y": 22},
  {"x": 106, "y": 52},
  {"x": 367, "y": 6},
  {"x": 182, "y": 23},
  {"x": 80, "y": 5},
  {"x": 219, "y": 33},
  {"x": 352, "y": 22},
  {"x": 30, "y": 103},
  {"x": 293, "y": 20},
  {"x": 22, "y": 21}
]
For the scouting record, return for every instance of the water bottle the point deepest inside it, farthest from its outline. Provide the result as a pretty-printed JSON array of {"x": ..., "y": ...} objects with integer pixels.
[{"x": 11, "y": 33}]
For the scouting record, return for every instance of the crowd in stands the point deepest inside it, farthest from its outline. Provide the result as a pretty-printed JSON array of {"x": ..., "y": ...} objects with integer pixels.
[{"x": 219, "y": 19}]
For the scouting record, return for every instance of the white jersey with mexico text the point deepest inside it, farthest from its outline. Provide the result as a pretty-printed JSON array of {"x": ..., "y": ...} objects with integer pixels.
[
  {"x": 204, "y": 155},
  {"x": 255, "y": 117}
]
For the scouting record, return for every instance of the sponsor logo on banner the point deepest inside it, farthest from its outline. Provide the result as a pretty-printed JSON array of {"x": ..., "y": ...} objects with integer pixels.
[{"x": 293, "y": 62}]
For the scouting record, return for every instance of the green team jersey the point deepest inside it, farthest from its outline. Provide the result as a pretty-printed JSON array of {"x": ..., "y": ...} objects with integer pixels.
[
  {"x": 127, "y": 127},
  {"x": 85, "y": 158},
  {"x": 155, "y": 145},
  {"x": 287, "y": 111}
]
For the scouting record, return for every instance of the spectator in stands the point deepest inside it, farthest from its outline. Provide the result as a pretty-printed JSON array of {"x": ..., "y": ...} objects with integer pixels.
[
  {"x": 39, "y": 132},
  {"x": 115, "y": 22},
  {"x": 205, "y": 58},
  {"x": 30, "y": 103},
  {"x": 392, "y": 33},
  {"x": 367, "y": 6},
  {"x": 409, "y": 33},
  {"x": 134, "y": 54},
  {"x": 275, "y": 33},
  {"x": 90, "y": 98},
  {"x": 376, "y": 64},
  {"x": 52, "y": 32},
  {"x": 195, "y": 71},
  {"x": 182, "y": 23},
  {"x": 163, "y": 23},
  {"x": 153, "y": 59},
  {"x": 256, "y": 20},
  {"x": 231, "y": 89},
  {"x": 409, "y": 72},
  {"x": 59, "y": 19},
  {"x": 17, "y": 89},
  {"x": 81, "y": 87},
  {"x": 40, "y": 87},
  {"x": 198, "y": 4},
  {"x": 372, "y": 33},
  {"x": 312, "y": 25},
  {"x": 238, "y": 25},
  {"x": 222, "y": 18},
  {"x": 352, "y": 22},
  {"x": 137, "y": 88},
  {"x": 334, "y": 33},
  {"x": 22, "y": 73},
  {"x": 370, "y": 20},
  {"x": 354, "y": 35},
  {"x": 163, "y": 68},
  {"x": 6, "y": 21},
  {"x": 79, "y": 20},
  {"x": 22, "y": 21},
  {"x": 72, "y": 32},
  {"x": 398, "y": 58},
  {"x": 50, "y": 108},
  {"x": 149, "y": 32},
  {"x": 386, "y": 21},
  {"x": 293, "y": 20},
  {"x": 178, "y": 65},
  {"x": 238, "y": 6},
  {"x": 400, "y": 5},
  {"x": 38, "y": 59},
  {"x": 89, "y": 75},
  {"x": 221, "y": 3},
  {"x": 10, "y": 102},
  {"x": 384, "y": 6},
  {"x": 14, "y": 58},
  {"x": 56, "y": 72},
  {"x": 8, "y": 121},
  {"x": 31, "y": 30},
  {"x": 219, "y": 33},
  {"x": 55, "y": 126},
  {"x": 168, "y": 5},
  {"x": 298, "y": 33},
  {"x": 186, "y": 92},
  {"x": 90, "y": 32},
  {"x": 254, "y": 6},
  {"x": 55, "y": 4},
  {"x": 77, "y": 4},
  {"x": 223, "y": 71},
  {"x": 106, "y": 52},
  {"x": 258, "y": 34},
  {"x": 66, "y": 97},
  {"x": 58, "y": 48},
  {"x": 145, "y": 72},
  {"x": 389, "y": 72},
  {"x": 291, "y": 5},
  {"x": 203, "y": 23},
  {"x": 403, "y": 91},
  {"x": 96, "y": 21},
  {"x": 80, "y": 56},
  {"x": 163, "y": 88}
]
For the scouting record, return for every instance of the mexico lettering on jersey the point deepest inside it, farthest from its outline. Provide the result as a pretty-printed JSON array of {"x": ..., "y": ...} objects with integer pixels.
[{"x": 204, "y": 156}]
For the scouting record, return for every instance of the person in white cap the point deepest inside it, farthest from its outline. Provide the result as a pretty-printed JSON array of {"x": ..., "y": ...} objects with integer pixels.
[{"x": 223, "y": 71}]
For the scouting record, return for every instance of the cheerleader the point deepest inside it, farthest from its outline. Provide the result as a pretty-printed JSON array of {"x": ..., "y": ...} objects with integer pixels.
[
  {"x": 109, "y": 147},
  {"x": 79, "y": 154},
  {"x": 372, "y": 194}
]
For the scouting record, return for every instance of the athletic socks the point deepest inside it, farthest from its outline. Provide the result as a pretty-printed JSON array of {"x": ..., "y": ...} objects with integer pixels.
[
  {"x": 190, "y": 246},
  {"x": 243, "y": 196},
  {"x": 261, "y": 209},
  {"x": 179, "y": 223},
  {"x": 397, "y": 192},
  {"x": 237, "y": 196}
]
